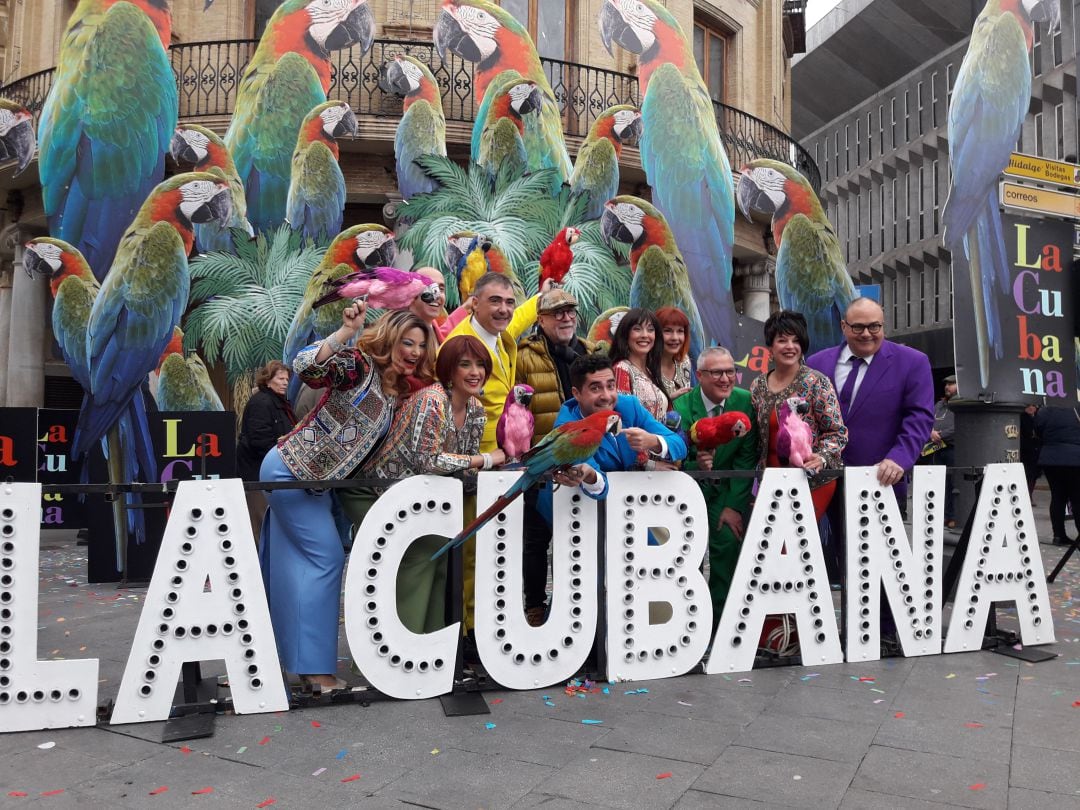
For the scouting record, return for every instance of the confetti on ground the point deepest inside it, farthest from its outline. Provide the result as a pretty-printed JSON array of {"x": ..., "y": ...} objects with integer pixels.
[
  {"x": 202, "y": 791},
  {"x": 549, "y": 703},
  {"x": 352, "y": 778},
  {"x": 899, "y": 715},
  {"x": 185, "y": 750},
  {"x": 606, "y": 691},
  {"x": 592, "y": 722},
  {"x": 496, "y": 701},
  {"x": 973, "y": 725},
  {"x": 159, "y": 790},
  {"x": 867, "y": 679},
  {"x": 45, "y": 746},
  {"x": 319, "y": 772},
  {"x": 264, "y": 741},
  {"x": 434, "y": 752},
  {"x": 808, "y": 677},
  {"x": 489, "y": 726},
  {"x": 977, "y": 786},
  {"x": 664, "y": 775},
  {"x": 267, "y": 802},
  {"x": 879, "y": 700},
  {"x": 241, "y": 749},
  {"x": 950, "y": 675},
  {"x": 316, "y": 724},
  {"x": 52, "y": 792},
  {"x": 879, "y": 691},
  {"x": 277, "y": 729},
  {"x": 684, "y": 703},
  {"x": 17, "y": 794},
  {"x": 797, "y": 778},
  {"x": 637, "y": 692},
  {"x": 746, "y": 680},
  {"x": 1076, "y": 704},
  {"x": 342, "y": 753}
]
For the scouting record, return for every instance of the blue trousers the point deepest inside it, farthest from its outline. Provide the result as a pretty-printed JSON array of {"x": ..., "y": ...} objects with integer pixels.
[{"x": 302, "y": 561}]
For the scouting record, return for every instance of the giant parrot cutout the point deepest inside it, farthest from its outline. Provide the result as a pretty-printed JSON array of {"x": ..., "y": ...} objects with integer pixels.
[
  {"x": 684, "y": 159},
  {"x": 422, "y": 128},
  {"x": 596, "y": 168},
  {"x": 106, "y": 123},
  {"x": 18, "y": 141},
  {"x": 287, "y": 77},
  {"x": 500, "y": 131},
  {"x": 661, "y": 278},
  {"x": 811, "y": 276},
  {"x": 316, "y": 201},
  {"x": 482, "y": 32},
  {"x": 989, "y": 103}
]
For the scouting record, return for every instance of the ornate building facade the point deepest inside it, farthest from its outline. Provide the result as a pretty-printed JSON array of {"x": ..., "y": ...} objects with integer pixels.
[{"x": 743, "y": 48}]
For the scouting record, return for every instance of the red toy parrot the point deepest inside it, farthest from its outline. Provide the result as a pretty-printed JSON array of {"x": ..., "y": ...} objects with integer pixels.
[
  {"x": 710, "y": 432},
  {"x": 565, "y": 446},
  {"x": 557, "y": 257}
]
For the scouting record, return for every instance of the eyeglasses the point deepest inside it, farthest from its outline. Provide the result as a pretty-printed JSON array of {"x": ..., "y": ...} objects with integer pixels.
[
  {"x": 859, "y": 328},
  {"x": 564, "y": 314},
  {"x": 716, "y": 373}
]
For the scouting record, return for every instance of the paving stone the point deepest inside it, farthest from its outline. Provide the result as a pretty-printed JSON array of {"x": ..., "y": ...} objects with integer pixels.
[
  {"x": 933, "y": 777},
  {"x": 1045, "y": 769},
  {"x": 700, "y": 800},
  {"x": 686, "y": 740},
  {"x": 458, "y": 778},
  {"x": 1041, "y": 800},
  {"x": 833, "y": 704},
  {"x": 543, "y": 741},
  {"x": 538, "y": 800},
  {"x": 932, "y": 733},
  {"x": 767, "y": 776},
  {"x": 619, "y": 779},
  {"x": 1049, "y": 729},
  {"x": 856, "y": 799},
  {"x": 838, "y": 740}
]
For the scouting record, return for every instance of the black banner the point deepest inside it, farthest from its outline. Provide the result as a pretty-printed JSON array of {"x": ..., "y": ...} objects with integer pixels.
[
  {"x": 1013, "y": 337},
  {"x": 55, "y": 436}
]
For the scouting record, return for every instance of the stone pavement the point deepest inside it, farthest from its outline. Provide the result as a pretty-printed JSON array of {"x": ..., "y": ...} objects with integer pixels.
[{"x": 972, "y": 730}]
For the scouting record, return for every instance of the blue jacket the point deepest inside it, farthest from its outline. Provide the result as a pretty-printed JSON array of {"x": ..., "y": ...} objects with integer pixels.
[{"x": 615, "y": 453}]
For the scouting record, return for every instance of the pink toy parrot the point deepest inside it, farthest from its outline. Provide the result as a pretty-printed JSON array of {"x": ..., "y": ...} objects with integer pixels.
[
  {"x": 385, "y": 288},
  {"x": 794, "y": 439},
  {"x": 515, "y": 429}
]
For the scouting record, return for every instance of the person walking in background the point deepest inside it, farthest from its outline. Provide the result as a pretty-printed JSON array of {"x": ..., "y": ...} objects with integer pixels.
[
  {"x": 1058, "y": 430},
  {"x": 942, "y": 440},
  {"x": 636, "y": 350},
  {"x": 728, "y": 499},
  {"x": 1029, "y": 447},
  {"x": 268, "y": 418},
  {"x": 675, "y": 359}
]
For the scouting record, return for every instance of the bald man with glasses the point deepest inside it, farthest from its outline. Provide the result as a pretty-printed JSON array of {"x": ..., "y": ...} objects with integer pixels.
[{"x": 728, "y": 499}]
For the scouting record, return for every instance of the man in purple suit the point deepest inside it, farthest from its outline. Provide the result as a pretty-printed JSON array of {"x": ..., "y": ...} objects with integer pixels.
[{"x": 886, "y": 395}]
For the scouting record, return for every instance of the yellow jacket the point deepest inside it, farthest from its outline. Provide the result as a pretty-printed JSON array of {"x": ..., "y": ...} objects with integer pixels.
[{"x": 503, "y": 366}]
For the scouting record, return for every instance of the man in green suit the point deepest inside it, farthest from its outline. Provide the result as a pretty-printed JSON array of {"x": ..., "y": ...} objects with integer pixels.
[{"x": 728, "y": 499}]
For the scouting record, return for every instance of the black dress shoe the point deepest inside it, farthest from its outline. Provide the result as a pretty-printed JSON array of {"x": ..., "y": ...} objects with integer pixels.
[{"x": 1062, "y": 541}]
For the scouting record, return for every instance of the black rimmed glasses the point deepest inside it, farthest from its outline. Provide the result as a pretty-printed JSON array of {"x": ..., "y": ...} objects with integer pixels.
[
  {"x": 859, "y": 328},
  {"x": 716, "y": 373}
]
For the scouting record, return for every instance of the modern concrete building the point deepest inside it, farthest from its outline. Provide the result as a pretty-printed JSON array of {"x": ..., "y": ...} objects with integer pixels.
[
  {"x": 871, "y": 100},
  {"x": 743, "y": 48}
]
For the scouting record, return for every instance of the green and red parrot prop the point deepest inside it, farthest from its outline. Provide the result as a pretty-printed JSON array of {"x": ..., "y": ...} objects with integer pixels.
[
  {"x": 316, "y": 201},
  {"x": 17, "y": 139},
  {"x": 360, "y": 247},
  {"x": 604, "y": 326},
  {"x": 482, "y": 32},
  {"x": 288, "y": 75},
  {"x": 106, "y": 123},
  {"x": 499, "y": 132},
  {"x": 557, "y": 257},
  {"x": 811, "y": 276},
  {"x": 710, "y": 432},
  {"x": 422, "y": 128},
  {"x": 989, "y": 103},
  {"x": 199, "y": 149},
  {"x": 184, "y": 385},
  {"x": 567, "y": 445},
  {"x": 661, "y": 278},
  {"x": 596, "y": 169},
  {"x": 684, "y": 159}
]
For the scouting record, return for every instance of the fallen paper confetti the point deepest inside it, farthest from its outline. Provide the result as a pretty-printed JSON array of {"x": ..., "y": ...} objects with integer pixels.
[
  {"x": 592, "y": 722},
  {"x": 352, "y": 778},
  {"x": 319, "y": 772},
  {"x": 159, "y": 790},
  {"x": 45, "y": 746},
  {"x": 264, "y": 741},
  {"x": 202, "y": 791},
  {"x": 973, "y": 725},
  {"x": 185, "y": 750},
  {"x": 489, "y": 726},
  {"x": 977, "y": 786},
  {"x": 684, "y": 703},
  {"x": 1076, "y": 704},
  {"x": 342, "y": 753},
  {"x": 664, "y": 775},
  {"x": 316, "y": 724},
  {"x": 52, "y": 792},
  {"x": 879, "y": 700},
  {"x": 950, "y": 675},
  {"x": 496, "y": 701},
  {"x": 434, "y": 752},
  {"x": 745, "y": 680},
  {"x": 899, "y": 715},
  {"x": 267, "y": 802},
  {"x": 606, "y": 691},
  {"x": 797, "y": 778},
  {"x": 18, "y": 794},
  {"x": 241, "y": 749}
]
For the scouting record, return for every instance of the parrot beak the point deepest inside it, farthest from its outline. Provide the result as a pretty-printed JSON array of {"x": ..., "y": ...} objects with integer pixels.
[
  {"x": 613, "y": 230},
  {"x": 21, "y": 143},
  {"x": 206, "y": 5},
  {"x": 382, "y": 256},
  {"x": 631, "y": 132},
  {"x": 485, "y": 245},
  {"x": 396, "y": 80},
  {"x": 347, "y": 125},
  {"x": 531, "y": 103},
  {"x": 248, "y": 229},
  {"x": 449, "y": 36},
  {"x": 430, "y": 294},
  {"x": 802, "y": 408},
  {"x": 614, "y": 424},
  {"x": 751, "y": 198},
  {"x": 573, "y": 235},
  {"x": 33, "y": 263},
  {"x": 182, "y": 151},
  {"x": 610, "y": 22},
  {"x": 525, "y": 398},
  {"x": 356, "y": 29},
  {"x": 217, "y": 209}
]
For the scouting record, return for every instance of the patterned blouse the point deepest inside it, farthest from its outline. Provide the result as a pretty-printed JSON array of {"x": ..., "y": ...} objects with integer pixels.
[
  {"x": 423, "y": 438},
  {"x": 827, "y": 425},
  {"x": 680, "y": 381},
  {"x": 629, "y": 379}
]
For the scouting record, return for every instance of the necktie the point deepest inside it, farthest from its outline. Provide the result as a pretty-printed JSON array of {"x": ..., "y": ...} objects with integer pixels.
[
  {"x": 848, "y": 390},
  {"x": 716, "y": 410}
]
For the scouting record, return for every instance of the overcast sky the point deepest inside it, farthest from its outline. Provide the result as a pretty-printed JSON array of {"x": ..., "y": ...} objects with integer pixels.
[{"x": 816, "y": 9}]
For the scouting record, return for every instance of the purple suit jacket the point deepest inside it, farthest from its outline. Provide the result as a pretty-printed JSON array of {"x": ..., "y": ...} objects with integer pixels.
[{"x": 893, "y": 413}]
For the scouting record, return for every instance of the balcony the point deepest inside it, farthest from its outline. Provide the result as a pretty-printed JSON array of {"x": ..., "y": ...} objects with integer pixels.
[{"x": 208, "y": 75}]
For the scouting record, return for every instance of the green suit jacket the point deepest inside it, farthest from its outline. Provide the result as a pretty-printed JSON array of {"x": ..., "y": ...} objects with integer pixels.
[{"x": 738, "y": 454}]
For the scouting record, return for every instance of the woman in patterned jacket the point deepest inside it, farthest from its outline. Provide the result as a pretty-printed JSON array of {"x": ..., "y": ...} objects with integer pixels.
[{"x": 787, "y": 338}]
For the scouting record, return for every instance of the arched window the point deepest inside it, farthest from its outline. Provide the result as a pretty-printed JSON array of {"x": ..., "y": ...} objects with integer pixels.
[{"x": 547, "y": 24}]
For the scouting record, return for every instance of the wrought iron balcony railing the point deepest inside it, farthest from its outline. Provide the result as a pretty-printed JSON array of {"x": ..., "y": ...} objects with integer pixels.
[{"x": 208, "y": 76}]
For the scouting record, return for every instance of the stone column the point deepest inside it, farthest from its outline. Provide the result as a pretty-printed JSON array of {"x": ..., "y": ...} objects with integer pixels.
[
  {"x": 757, "y": 284},
  {"x": 26, "y": 342},
  {"x": 5, "y": 328}
]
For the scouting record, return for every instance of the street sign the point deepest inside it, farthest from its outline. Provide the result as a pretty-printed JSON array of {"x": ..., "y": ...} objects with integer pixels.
[
  {"x": 1040, "y": 200},
  {"x": 1041, "y": 169}
]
